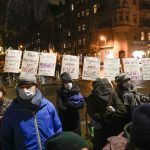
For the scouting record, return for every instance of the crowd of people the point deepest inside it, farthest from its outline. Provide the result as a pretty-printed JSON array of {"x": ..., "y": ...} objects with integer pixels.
[{"x": 119, "y": 115}]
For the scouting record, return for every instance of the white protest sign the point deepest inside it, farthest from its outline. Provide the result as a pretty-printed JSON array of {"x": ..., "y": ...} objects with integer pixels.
[
  {"x": 111, "y": 68},
  {"x": 132, "y": 68},
  {"x": 12, "y": 61},
  {"x": 30, "y": 62},
  {"x": 47, "y": 64},
  {"x": 91, "y": 68},
  {"x": 70, "y": 64},
  {"x": 146, "y": 68}
]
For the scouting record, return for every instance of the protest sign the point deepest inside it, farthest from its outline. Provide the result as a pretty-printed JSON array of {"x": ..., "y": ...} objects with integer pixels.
[
  {"x": 91, "y": 68},
  {"x": 70, "y": 64},
  {"x": 132, "y": 68},
  {"x": 47, "y": 64},
  {"x": 12, "y": 61},
  {"x": 146, "y": 68},
  {"x": 30, "y": 62},
  {"x": 111, "y": 68}
]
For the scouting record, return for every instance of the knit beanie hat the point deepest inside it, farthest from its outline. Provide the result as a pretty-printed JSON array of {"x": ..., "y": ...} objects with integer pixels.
[
  {"x": 26, "y": 79},
  {"x": 66, "y": 141},
  {"x": 121, "y": 78},
  {"x": 65, "y": 77},
  {"x": 140, "y": 133}
]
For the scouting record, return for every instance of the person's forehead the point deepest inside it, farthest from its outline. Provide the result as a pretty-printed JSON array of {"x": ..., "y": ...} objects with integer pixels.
[{"x": 27, "y": 85}]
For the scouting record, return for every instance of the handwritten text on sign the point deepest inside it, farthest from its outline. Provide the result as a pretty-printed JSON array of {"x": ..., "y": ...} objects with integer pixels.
[
  {"x": 47, "y": 64},
  {"x": 132, "y": 68},
  {"x": 12, "y": 61},
  {"x": 91, "y": 68},
  {"x": 146, "y": 68},
  {"x": 30, "y": 62},
  {"x": 111, "y": 68},
  {"x": 70, "y": 64}
]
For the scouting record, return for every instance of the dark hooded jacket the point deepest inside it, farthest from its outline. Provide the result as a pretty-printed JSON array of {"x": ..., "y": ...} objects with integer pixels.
[{"x": 99, "y": 102}]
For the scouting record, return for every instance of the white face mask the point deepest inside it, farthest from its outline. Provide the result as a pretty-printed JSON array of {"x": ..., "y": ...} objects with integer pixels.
[
  {"x": 68, "y": 86},
  {"x": 26, "y": 94}
]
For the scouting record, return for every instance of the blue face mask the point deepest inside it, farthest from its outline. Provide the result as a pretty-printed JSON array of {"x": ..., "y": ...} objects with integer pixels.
[{"x": 26, "y": 94}]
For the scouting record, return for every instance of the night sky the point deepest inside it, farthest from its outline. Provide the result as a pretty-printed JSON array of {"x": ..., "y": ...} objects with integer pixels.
[{"x": 55, "y": 1}]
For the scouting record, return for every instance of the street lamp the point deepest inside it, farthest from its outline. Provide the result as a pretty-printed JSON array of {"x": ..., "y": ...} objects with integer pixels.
[{"x": 103, "y": 38}]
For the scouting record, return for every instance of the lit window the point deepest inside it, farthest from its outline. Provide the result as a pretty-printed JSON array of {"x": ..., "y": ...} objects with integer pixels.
[
  {"x": 78, "y": 15},
  {"x": 149, "y": 36},
  {"x": 79, "y": 28},
  {"x": 95, "y": 8},
  {"x": 83, "y": 27},
  {"x": 142, "y": 36},
  {"x": 69, "y": 33},
  {"x": 79, "y": 42},
  {"x": 72, "y": 7},
  {"x": 135, "y": 18},
  {"x": 82, "y": 13},
  {"x": 64, "y": 45},
  {"x": 84, "y": 41},
  {"x": 87, "y": 12}
]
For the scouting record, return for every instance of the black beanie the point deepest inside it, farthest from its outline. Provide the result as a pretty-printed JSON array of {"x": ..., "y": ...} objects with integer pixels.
[
  {"x": 65, "y": 77},
  {"x": 65, "y": 141},
  {"x": 140, "y": 134}
]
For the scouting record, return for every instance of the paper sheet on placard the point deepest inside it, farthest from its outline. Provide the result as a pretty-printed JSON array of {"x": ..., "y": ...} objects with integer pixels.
[
  {"x": 146, "y": 68},
  {"x": 70, "y": 64},
  {"x": 111, "y": 68},
  {"x": 30, "y": 62},
  {"x": 47, "y": 64},
  {"x": 91, "y": 68},
  {"x": 132, "y": 68},
  {"x": 12, "y": 61}
]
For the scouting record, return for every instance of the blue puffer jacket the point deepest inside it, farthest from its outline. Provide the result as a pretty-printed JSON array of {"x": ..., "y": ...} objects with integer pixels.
[{"x": 23, "y": 129}]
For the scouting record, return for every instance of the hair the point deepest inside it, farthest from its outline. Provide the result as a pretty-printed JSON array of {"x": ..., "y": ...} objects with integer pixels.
[{"x": 3, "y": 89}]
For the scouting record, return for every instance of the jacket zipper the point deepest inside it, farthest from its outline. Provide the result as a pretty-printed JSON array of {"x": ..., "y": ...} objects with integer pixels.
[{"x": 37, "y": 132}]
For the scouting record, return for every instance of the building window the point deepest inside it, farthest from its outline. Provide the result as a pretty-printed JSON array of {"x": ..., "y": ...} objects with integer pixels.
[
  {"x": 82, "y": 13},
  {"x": 127, "y": 16},
  {"x": 78, "y": 15},
  {"x": 95, "y": 8},
  {"x": 79, "y": 42},
  {"x": 83, "y": 27},
  {"x": 87, "y": 12},
  {"x": 72, "y": 7},
  {"x": 149, "y": 36},
  {"x": 79, "y": 28},
  {"x": 69, "y": 33},
  {"x": 64, "y": 45},
  {"x": 134, "y": 18},
  {"x": 142, "y": 36},
  {"x": 135, "y": 36},
  {"x": 84, "y": 41},
  {"x": 121, "y": 16}
]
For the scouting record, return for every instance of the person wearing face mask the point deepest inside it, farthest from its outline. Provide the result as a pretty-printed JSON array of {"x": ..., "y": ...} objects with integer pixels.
[
  {"x": 4, "y": 102},
  {"x": 30, "y": 120},
  {"x": 69, "y": 101}
]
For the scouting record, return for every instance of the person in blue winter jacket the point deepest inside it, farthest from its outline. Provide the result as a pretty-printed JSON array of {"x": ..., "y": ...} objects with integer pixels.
[{"x": 30, "y": 120}]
